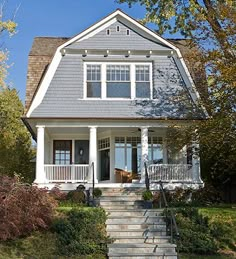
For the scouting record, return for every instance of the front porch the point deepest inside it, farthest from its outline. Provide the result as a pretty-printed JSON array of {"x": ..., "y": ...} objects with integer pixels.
[{"x": 112, "y": 157}]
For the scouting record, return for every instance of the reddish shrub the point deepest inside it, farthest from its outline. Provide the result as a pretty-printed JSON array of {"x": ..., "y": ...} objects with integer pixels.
[
  {"x": 23, "y": 208},
  {"x": 57, "y": 194}
]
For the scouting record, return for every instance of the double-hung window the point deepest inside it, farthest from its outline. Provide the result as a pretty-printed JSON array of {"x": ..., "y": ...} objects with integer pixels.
[
  {"x": 142, "y": 81},
  {"x": 94, "y": 81},
  {"x": 118, "y": 80}
]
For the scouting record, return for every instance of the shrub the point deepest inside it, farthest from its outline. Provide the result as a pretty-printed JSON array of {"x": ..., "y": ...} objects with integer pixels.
[
  {"x": 82, "y": 232},
  {"x": 23, "y": 208},
  {"x": 195, "y": 234},
  {"x": 77, "y": 196},
  {"x": 97, "y": 192},
  {"x": 147, "y": 195},
  {"x": 57, "y": 194}
]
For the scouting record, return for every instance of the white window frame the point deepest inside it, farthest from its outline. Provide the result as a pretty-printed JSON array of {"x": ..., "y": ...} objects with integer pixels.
[{"x": 104, "y": 82}]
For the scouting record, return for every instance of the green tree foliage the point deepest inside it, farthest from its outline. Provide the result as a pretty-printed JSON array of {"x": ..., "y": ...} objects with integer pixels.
[
  {"x": 210, "y": 27},
  {"x": 15, "y": 142}
]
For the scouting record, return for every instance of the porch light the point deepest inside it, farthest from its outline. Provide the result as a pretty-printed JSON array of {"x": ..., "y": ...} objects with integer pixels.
[
  {"x": 85, "y": 53},
  {"x": 149, "y": 55},
  {"x": 127, "y": 55},
  {"x": 106, "y": 55},
  {"x": 81, "y": 152}
]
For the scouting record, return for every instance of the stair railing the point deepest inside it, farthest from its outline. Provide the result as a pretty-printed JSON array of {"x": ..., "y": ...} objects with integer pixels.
[
  {"x": 170, "y": 216},
  {"x": 93, "y": 177}
]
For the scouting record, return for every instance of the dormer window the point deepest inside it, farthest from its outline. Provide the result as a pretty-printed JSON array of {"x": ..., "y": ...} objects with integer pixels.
[
  {"x": 93, "y": 81},
  {"x": 116, "y": 80}
]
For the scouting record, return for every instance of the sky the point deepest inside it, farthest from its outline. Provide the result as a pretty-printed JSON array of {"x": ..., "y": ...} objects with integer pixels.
[{"x": 58, "y": 18}]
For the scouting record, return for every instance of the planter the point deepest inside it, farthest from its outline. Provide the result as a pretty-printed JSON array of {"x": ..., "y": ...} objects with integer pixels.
[
  {"x": 96, "y": 202},
  {"x": 147, "y": 204}
]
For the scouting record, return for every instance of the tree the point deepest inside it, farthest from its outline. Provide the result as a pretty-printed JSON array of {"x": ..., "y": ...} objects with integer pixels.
[
  {"x": 15, "y": 141},
  {"x": 209, "y": 26}
]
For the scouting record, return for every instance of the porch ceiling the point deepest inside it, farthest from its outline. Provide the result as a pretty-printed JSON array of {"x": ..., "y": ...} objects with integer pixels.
[{"x": 85, "y": 130}]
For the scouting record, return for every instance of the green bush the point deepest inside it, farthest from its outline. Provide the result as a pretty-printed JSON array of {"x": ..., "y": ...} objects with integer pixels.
[
  {"x": 76, "y": 196},
  {"x": 82, "y": 232},
  {"x": 195, "y": 233},
  {"x": 97, "y": 192},
  {"x": 147, "y": 195}
]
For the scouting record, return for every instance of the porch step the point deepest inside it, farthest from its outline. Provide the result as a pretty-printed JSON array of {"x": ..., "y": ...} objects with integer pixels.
[
  {"x": 141, "y": 248},
  {"x": 134, "y": 212},
  {"x": 136, "y": 232},
  {"x": 144, "y": 240},
  {"x": 135, "y": 219},
  {"x": 143, "y": 256}
]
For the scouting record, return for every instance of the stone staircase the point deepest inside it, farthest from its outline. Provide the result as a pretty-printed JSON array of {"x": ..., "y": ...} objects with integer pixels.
[{"x": 136, "y": 232}]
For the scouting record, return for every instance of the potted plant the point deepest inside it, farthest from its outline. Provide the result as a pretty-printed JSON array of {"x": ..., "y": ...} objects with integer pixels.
[
  {"x": 147, "y": 197},
  {"x": 97, "y": 193}
]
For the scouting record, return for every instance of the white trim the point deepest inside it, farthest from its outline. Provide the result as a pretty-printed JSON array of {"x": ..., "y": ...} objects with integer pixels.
[
  {"x": 104, "y": 82},
  {"x": 45, "y": 82}
]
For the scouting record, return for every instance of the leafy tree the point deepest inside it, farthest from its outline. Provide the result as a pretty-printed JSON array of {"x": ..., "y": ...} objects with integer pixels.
[
  {"x": 210, "y": 27},
  {"x": 15, "y": 142}
]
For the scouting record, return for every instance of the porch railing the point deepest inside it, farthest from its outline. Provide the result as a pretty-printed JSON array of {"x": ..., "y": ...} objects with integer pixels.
[
  {"x": 170, "y": 173},
  {"x": 67, "y": 173}
]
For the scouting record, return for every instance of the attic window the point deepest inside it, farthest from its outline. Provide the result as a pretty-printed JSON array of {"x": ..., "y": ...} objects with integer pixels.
[
  {"x": 128, "y": 32},
  {"x": 117, "y": 28},
  {"x": 108, "y": 32}
]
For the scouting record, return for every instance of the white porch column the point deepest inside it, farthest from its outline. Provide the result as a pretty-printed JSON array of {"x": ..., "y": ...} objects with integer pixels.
[
  {"x": 93, "y": 151},
  {"x": 40, "y": 173},
  {"x": 144, "y": 151},
  {"x": 196, "y": 162}
]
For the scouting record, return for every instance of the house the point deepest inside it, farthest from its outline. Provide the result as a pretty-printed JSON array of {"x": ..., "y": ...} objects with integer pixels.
[{"x": 100, "y": 105}]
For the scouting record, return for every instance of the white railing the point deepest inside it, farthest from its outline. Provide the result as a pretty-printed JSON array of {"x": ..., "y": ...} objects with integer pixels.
[
  {"x": 66, "y": 173},
  {"x": 170, "y": 173}
]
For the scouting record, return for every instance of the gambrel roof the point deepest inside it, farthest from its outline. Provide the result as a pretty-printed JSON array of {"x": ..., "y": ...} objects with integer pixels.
[{"x": 46, "y": 49}]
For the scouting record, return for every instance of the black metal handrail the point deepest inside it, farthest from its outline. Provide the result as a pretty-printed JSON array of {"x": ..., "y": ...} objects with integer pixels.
[
  {"x": 167, "y": 208},
  {"x": 173, "y": 223},
  {"x": 93, "y": 186}
]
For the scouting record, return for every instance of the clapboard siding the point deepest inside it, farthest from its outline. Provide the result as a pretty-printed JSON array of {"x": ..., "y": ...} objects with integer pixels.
[
  {"x": 64, "y": 97},
  {"x": 118, "y": 40}
]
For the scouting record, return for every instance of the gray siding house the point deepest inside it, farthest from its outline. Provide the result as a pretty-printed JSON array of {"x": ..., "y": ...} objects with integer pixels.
[{"x": 101, "y": 103}]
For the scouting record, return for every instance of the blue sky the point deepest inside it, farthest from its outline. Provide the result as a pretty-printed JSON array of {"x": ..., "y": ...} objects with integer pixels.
[{"x": 51, "y": 18}]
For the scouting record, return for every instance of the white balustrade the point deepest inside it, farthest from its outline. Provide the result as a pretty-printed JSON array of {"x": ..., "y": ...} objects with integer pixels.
[
  {"x": 170, "y": 173},
  {"x": 67, "y": 173}
]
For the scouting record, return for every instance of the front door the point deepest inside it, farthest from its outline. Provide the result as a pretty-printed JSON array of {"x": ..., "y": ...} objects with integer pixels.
[
  {"x": 105, "y": 164},
  {"x": 81, "y": 152}
]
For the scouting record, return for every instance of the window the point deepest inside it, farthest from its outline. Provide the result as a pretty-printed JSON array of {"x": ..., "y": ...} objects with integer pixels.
[
  {"x": 118, "y": 28},
  {"x": 93, "y": 81},
  {"x": 118, "y": 81},
  {"x": 142, "y": 84},
  {"x": 126, "y": 80},
  {"x": 128, "y": 32},
  {"x": 62, "y": 152},
  {"x": 108, "y": 32},
  {"x": 104, "y": 143}
]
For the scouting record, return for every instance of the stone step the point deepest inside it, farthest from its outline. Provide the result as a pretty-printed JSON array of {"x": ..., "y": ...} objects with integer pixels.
[
  {"x": 120, "y": 197},
  {"x": 122, "y": 207},
  {"x": 135, "y": 219},
  {"x": 141, "y": 248},
  {"x": 136, "y": 226},
  {"x": 136, "y": 232},
  {"x": 133, "y": 212},
  {"x": 147, "y": 240},
  {"x": 116, "y": 203},
  {"x": 143, "y": 256}
]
